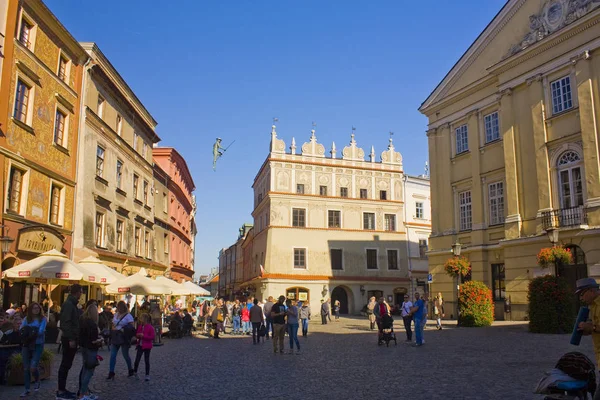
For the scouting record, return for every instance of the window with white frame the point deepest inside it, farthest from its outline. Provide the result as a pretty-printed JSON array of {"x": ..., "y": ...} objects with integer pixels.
[
  {"x": 371, "y": 258},
  {"x": 56, "y": 205},
  {"x": 99, "y": 161},
  {"x": 464, "y": 199},
  {"x": 323, "y": 190},
  {"x": 300, "y": 188},
  {"x": 22, "y": 102},
  {"x": 25, "y": 34},
  {"x": 343, "y": 192},
  {"x": 60, "y": 121},
  {"x": 100, "y": 220},
  {"x": 390, "y": 222},
  {"x": 369, "y": 221},
  {"x": 15, "y": 189},
  {"x": 63, "y": 68},
  {"x": 383, "y": 195},
  {"x": 561, "y": 94},
  {"x": 492, "y": 128},
  {"x": 334, "y": 218},
  {"x": 300, "y": 258},
  {"x": 138, "y": 241},
  {"x": 570, "y": 179},
  {"x": 364, "y": 193},
  {"x": 496, "y": 202},
  {"x": 419, "y": 210},
  {"x": 120, "y": 231},
  {"x": 462, "y": 139},
  {"x": 299, "y": 217}
]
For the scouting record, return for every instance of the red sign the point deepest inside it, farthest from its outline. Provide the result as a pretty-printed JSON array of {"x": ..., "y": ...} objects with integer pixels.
[
  {"x": 41, "y": 280},
  {"x": 92, "y": 278},
  {"x": 62, "y": 275},
  {"x": 24, "y": 273},
  {"x": 124, "y": 290},
  {"x": 103, "y": 280}
]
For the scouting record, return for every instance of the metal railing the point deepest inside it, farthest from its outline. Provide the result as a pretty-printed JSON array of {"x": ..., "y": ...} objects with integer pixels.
[{"x": 564, "y": 217}]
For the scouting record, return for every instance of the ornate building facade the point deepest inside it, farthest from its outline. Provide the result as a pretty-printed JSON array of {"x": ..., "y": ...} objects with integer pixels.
[
  {"x": 40, "y": 91},
  {"x": 328, "y": 226},
  {"x": 513, "y": 143}
]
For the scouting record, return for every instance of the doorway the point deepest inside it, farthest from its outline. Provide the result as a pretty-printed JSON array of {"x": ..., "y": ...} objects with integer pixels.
[
  {"x": 340, "y": 294},
  {"x": 575, "y": 271}
]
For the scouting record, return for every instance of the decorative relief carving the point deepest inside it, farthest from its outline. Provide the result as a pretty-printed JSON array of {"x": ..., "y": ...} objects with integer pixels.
[
  {"x": 353, "y": 152},
  {"x": 382, "y": 184},
  {"x": 283, "y": 181},
  {"x": 323, "y": 179},
  {"x": 398, "y": 191},
  {"x": 390, "y": 156},
  {"x": 312, "y": 148}
]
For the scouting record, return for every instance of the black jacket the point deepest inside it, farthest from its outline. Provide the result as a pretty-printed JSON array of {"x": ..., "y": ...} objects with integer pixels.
[
  {"x": 88, "y": 332},
  {"x": 69, "y": 318}
]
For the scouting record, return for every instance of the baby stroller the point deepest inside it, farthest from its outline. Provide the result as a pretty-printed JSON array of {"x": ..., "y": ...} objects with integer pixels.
[
  {"x": 387, "y": 328},
  {"x": 572, "y": 378}
]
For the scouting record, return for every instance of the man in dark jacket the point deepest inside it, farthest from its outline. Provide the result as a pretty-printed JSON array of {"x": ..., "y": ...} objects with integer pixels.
[{"x": 69, "y": 325}]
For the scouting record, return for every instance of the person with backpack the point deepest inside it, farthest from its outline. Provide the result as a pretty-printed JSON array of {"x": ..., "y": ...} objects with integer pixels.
[
  {"x": 33, "y": 332},
  {"x": 145, "y": 336},
  {"x": 121, "y": 338},
  {"x": 90, "y": 343}
]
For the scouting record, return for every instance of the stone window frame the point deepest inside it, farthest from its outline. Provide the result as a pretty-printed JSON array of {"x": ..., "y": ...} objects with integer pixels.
[
  {"x": 341, "y": 225},
  {"x": 374, "y": 221},
  {"x": 305, "y": 217},
  {"x": 61, "y": 203},
  {"x": 342, "y": 259},
  {"x": 387, "y": 255},
  {"x": 65, "y": 138},
  {"x": 555, "y": 153},
  {"x": 556, "y": 75},
  {"x": 488, "y": 198},
  {"x": 25, "y": 17},
  {"x": 394, "y": 220},
  {"x": 27, "y": 81},
  {"x": 62, "y": 55},
  {"x": 24, "y": 195},
  {"x": 367, "y": 249},
  {"x": 100, "y": 241},
  {"x": 120, "y": 245},
  {"x": 305, "y": 249}
]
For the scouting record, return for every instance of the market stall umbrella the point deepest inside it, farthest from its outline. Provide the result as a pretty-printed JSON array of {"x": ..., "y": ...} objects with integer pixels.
[
  {"x": 96, "y": 271},
  {"x": 51, "y": 266},
  {"x": 194, "y": 290},
  {"x": 177, "y": 288},
  {"x": 138, "y": 284}
]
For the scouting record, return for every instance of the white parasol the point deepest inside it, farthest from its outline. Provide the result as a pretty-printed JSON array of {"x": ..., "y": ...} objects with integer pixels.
[
  {"x": 194, "y": 290},
  {"x": 177, "y": 288},
  {"x": 138, "y": 284},
  {"x": 49, "y": 266},
  {"x": 96, "y": 271}
]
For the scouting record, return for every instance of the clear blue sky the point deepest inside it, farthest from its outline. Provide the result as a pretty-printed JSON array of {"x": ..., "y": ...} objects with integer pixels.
[{"x": 226, "y": 68}]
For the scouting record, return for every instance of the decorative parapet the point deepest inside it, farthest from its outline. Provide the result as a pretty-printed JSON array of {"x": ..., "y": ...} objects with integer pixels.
[
  {"x": 391, "y": 156},
  {"x": 353, "y": 152},
  {"x": 312, "y": 148},
  {"x": 277, "y": 145}
]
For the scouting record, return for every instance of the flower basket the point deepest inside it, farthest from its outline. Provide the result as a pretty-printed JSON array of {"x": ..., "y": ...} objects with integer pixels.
[
  {"x": 15, "y": 374},
  {"x": 457, "y": 266},
  {"x": 554, "y": 255}
]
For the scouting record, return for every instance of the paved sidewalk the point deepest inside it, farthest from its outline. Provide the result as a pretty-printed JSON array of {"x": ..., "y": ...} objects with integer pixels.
[{"x": 338, "y": 361}]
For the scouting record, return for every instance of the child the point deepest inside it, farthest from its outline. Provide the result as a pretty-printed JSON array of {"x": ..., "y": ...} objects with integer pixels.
[{"x": 145, "y": 334}]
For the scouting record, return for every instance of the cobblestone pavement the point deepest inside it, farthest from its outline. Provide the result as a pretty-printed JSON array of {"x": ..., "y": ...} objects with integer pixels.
[{"x": 338, "y": 361}]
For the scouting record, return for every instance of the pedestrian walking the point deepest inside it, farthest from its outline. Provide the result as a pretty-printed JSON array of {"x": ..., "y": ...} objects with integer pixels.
[
  {"x": 216, "y": 318},
  {"x": 292, "y": 324},
  {"x": 381, "y": 310},
  {"x": 418, "y": 312},
  {"x": 324, "y": 312},
  {"x": 69, "y": 326},
  {"x": 236, "y": 316},
  {"x": 257, "y": 319},
  {"x": 268, "y": 320},
  {"x": 407, "y": 317},
  {"x": 121, "y": 339},
  {"x": 336, "y": 310},
  {"x": 145, "y": 338},
  {"x": 278, "y": 316},
  {"x": 304, "y": 314},
  {"x": 371, "y": 312},
  {"x": 246, "y": 327},
  {"x": 33, "y": 329},
  {"x": 438, "y": 309},
  {"x": 90, "y": 343},
  {"x": 225, "y": 313}
]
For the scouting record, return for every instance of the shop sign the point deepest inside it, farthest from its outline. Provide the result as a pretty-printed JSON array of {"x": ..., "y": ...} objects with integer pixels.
[
  {"x": 302, "y": 296},
  {"x": 62, "y": 275},
  {"x": 124, "y": 290},
  {"x": 41, "y": 280},
  {"x": 103, "y": 280},
  {"x": 92, "y": 278},
  {"x": 39, "y": 240},
  {"x": 24, "y": 273}
]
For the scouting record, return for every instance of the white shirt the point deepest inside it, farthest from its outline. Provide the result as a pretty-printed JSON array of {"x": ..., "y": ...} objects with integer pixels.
[
  {"x": 119, "y": 323},
  {"x": 406, "y": 308}
]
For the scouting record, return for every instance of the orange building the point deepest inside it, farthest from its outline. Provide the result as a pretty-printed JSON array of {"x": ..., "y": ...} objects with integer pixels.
[
  {"x": 39, "y": 118},
  {"x": 181, "y": 208}
]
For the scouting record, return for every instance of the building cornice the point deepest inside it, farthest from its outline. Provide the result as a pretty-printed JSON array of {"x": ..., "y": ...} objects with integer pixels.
[
  {"x": 307, "y": 228},
  {"x": 179, "y": 161}
]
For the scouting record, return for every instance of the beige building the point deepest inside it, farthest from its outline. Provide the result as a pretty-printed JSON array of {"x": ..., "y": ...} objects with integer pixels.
[
  {"x": 328, "y": 226},
  {"x": 114, "y": 219},
  {"x": 513, "y": 145}
]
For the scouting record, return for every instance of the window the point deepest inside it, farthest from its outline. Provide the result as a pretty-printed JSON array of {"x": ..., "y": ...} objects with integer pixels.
[
  {"x": 423, "y": 247},
  {"x": 15, "y": 189},
  {"x": 498, "y": 282},
  {"x": 569, "y": 180},
  {"x": 492, "y": 129},
  {"x": 63, "y": 64},
  {"x": 99, "y": 161},
  {"x": 419, "y": 211},
  {"x": 119, "y": 124},
  {"x": 147, "y": 244},
  {"x": 138, "y": 241},
  {"x": 55, "y": 195},
  {"x": 136, "y": 183},
  {"x": 166, "y": 243},
  {"x": 369, "y": 221},
  {"x": 300, "y": 258},
  {"x": 323, "y": 190},
  {"x": 145, "y": 188},
  {"x": 119, "y": 174},
  {"x": 120, "y": 225},
  {"x": 336, "y": 258},
  {"x": 561, "y": 95},
  {"x": 145, "y": 150},
  {"x": 59, "y": 128},
  {"x": 21, "y": 110},
  {"x": 99, "y": 229},
  {"x": 300, "y": 188},
  {"x": 464, "y": 199},
  {"x": 100, "y": 108},
  {"x": 364, "y": 194},
  {"x": 135, "y": 141},
  {"x": 462, "y": 139},
  {"x": 299, "y": 217},
  {"x": 392, "y": 259},
  {"x": 382, "y": 195},
  {"x": 25, "y": 34},
  {"x": 334, "y": 218},
  {"x": 165, "y": 203},
  {"x": 371, "y": 259},
  {"x": 344, "y": 192},
  {"x": 390, "y": 222},
  {"x": 496, "y": 199}
]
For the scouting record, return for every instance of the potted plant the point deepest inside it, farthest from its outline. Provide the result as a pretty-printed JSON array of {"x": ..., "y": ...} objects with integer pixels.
[
  {"x": 457, "y": 266},
  {"x": 15, "y": 373},
  {"x": 554, "y": 255}
]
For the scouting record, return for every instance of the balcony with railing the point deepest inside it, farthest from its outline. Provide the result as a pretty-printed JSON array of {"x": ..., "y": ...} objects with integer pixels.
[{"x": 564, "y": 217}]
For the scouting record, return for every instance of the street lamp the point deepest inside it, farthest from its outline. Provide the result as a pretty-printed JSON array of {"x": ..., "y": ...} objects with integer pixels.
[{"x": 456, "y": 249}]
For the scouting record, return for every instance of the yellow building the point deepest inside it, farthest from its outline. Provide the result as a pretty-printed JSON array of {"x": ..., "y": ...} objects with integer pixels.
[{"x": 513, "y": 145}]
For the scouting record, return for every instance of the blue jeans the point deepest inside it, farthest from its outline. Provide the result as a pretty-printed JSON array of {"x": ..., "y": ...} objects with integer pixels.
[
  {"x": 246, "y": 327},
  {"x": 85, "y": 375},
  {"x": 31, "y": 359},
  {"x": 419, "y": 330},
  {"x": 236, "y": 324},
  {"x": 304, "y": 326},
  {"x": 268, "y": 326},
  {"x": 293, "y": 332},
  {"x": 114, "y": 350}
]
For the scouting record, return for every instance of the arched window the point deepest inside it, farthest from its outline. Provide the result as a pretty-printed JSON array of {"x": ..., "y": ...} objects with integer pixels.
[{"x": 569, "y": 179}]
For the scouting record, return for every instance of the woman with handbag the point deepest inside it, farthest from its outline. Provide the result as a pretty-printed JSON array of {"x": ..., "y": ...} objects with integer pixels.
[
  {"x": 120, "y": 338},
  {"x": 145, "y": 336},
  {"x": 33, "y": 345},
  {"x": 90, "y": 343}
]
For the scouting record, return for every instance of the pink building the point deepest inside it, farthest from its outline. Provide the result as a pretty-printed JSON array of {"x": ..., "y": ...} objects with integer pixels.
[{"x": 181, "y": 186}]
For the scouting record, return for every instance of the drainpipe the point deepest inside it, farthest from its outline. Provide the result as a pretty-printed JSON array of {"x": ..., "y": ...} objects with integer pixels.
[{"x": 405, "y": 178}]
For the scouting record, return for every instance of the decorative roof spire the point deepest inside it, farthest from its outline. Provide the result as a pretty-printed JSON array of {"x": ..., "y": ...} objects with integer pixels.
[
  {"x": 293, "y": 146},
  {"x": 390, "y": 156},
  {"x": 312, "y": 148},
  {"x": 333, "y": 150},
  {"x": 277, "y": 145},
  {"x": 352, "y": 152},
  {"x": 372, "y": 155}
]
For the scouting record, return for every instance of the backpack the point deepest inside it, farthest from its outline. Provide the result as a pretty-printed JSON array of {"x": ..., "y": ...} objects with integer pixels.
[
  {"x": 578, "y": 366},
  {"x": 28, "y": 335}
]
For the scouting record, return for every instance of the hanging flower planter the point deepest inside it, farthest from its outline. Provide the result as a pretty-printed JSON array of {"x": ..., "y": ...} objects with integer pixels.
[
  {"x": 457, "y": 266},
  {"x": 554, "y": 255}
]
